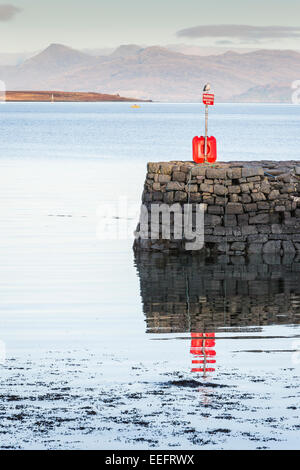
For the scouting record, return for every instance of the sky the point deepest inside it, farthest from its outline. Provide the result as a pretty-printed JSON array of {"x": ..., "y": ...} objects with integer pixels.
[{"x": 29, "y": 25}]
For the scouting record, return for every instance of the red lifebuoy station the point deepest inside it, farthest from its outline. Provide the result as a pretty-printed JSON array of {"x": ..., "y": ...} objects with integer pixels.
[{"x": 205, "y": 148}]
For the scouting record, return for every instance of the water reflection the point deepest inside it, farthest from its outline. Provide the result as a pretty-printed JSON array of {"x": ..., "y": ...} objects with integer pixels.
[
  {"x": 189, "y": 295},
  {"x": 203, "y": 352}
]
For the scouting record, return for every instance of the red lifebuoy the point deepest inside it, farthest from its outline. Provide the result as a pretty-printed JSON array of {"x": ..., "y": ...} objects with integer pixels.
[{"x": 199, "y": 149}]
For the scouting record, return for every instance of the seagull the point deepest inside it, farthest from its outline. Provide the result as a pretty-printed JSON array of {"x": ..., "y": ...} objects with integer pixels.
[{"x": 206, "y": 87}]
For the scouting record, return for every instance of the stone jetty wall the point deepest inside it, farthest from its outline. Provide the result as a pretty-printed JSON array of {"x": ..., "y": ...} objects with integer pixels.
[{"x": 250, "y": 207}]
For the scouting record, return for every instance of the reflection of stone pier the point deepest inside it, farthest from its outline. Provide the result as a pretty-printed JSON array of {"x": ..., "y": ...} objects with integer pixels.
[{"x": 185, "y": 294}]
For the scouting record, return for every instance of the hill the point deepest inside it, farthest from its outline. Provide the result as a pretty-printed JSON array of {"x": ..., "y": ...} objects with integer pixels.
[{"x": 158, "y": 73}]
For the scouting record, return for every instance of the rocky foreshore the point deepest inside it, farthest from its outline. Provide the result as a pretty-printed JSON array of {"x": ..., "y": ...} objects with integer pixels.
[{"x": 250, "y": 207}]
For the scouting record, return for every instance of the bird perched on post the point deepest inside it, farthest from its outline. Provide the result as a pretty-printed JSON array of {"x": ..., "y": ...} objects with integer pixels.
[{"x": 206, "y": 87}]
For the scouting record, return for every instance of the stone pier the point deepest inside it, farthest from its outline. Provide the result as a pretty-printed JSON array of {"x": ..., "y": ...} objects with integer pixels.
[{"x": 249, "y": 207}]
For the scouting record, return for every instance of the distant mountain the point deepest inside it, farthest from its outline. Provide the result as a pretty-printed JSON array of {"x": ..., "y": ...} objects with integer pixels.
[
  {"x": 190, "y": 49},
  {"x": 126, "y": 50},
  {"x": 56, "y": 58},
  {"x": 270, "y": 93},
  {"x": 158, "y": 73}
]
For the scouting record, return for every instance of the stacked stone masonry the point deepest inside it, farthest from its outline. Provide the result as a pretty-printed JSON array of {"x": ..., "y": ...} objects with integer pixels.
[{"x": 250, "y": 207}]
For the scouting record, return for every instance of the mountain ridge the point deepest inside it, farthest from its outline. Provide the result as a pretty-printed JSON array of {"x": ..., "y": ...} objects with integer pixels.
[{"x": 158, "y": 73}]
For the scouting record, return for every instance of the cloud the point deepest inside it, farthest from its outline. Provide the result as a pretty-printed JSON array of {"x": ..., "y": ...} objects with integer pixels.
[
  {"x": 225, "y": 42},
  {"x": 7, "y": 12},
  {"x": 240, "y": 32}
]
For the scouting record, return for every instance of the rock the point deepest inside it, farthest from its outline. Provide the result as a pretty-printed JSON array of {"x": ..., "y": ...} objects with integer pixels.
[
  {"x": 187, "y": 168},
  {"x": 179, "y": 176},
  {"x": 259, "y": 238},
  {"x": 169, "y": 197},
  {"x": 263, "y": 228},
  {"x": 258, "y": 197},
  {"x": 234, "y": 189},
  {"x": 286, "y": 178},
  {"x": 220, "y": 231},
  {"x": 245, "y": 188},
  {"x": 198, "y": 171},
  {"x": 153, "y": 167},
  {"x": 246, "y": 198},
  {"x": 164, "y": 178},
  {"x": 208, "y": 199},
  {"x": 195, "y": 197},
  {"x": 272, "y": 246},
  {"x": 220, "y": 201},
  {"x": 238, "y": 246},
  {"x": 236, "y": 173},
  {"x": 211, "y": 219},
  {"x": 230, "y": 220},
  {"x": 158, "y": 196},
  {"x": 297, "y": 170},
  {"x": 254, "y": 248},
  {"x": 249, "y": 230},
  {"x": 263, "y": 205},
  {"x": 166, "y": 168},
  {"x": 218, "y": 210},
  {"x": 213, "y": 239},
  {"x": 250, "y": 207},
  {"x": 254, "y": 179},
  {"x": 247, "y": 172},
  {"x": 234, "y": 198},
  {"x": 191, "y": 188},
  {"x": 206, "y": 188},
  {"x": 223, "y": 247},
  {"x": 274, "y": 194},
  {"x": 175, "y": 186},
  {"x": 220, "y": 190},
  {"x": 260, "y": 219},
  {"x": 243, "y": 219},
  {"x": 288, "y": 247},
  {"x": 276, "y": 228},
  {"x": 265, "y": 187},
  {"x": 287, "y": 188},
  {"x": 216, "y": 173},
  {"x": 180, "y": 196},
  {"x": 234, "y": 208}
]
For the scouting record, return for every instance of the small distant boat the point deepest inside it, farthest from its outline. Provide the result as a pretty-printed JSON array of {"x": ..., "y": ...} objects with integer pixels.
[{"x": 135, "y": 106}]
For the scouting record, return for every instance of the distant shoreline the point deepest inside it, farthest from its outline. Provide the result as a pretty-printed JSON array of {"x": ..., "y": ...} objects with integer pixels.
[{"x": 65, "y": 96}]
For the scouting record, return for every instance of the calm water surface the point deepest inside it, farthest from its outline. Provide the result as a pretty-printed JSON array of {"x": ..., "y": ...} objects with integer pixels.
[{"x": 108, "y": 350}]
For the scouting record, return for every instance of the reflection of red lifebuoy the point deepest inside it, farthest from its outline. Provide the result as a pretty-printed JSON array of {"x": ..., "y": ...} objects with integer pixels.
[
  {"x": 202, "y": 350},
  {"x": 199, "y": 149}
]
